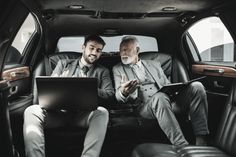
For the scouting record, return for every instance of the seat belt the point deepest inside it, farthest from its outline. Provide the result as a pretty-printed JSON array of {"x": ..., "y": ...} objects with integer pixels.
[{"x": 48, "y": 68}]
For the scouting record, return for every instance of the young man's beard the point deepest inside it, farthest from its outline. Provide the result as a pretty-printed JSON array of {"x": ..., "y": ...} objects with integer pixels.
[{"x": 90, "y": 59}]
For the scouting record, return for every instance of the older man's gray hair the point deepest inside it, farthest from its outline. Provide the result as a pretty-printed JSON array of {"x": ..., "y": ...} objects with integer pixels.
[{"x": 127, "y": 39}]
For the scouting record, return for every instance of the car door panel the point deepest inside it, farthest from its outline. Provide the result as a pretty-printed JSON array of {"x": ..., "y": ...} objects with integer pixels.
[
  {"x": 19, "y": 78},
  {"x": 213, "y": 70},
  {"x": 5, "y": 131},
  {"x": 212, "y": 55},
  {"x": 217, "y": 84},
  {"x": 19, "y": 94},
  {"x": 219, "y": 78},
  {"x": 16, "y": 73},
  {"x": 19, "y": 98}
]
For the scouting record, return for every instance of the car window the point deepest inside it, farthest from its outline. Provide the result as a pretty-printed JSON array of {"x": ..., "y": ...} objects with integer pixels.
[
  {"x": 112, "y": 43},
  {"x": 23, "y": 36},
  {"x": 210, "y": 41}
]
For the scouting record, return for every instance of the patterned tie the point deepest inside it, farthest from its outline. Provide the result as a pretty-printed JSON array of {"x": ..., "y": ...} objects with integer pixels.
[
  {"x": 139, "y": 72},
  {"x": 85, "y": 70}
]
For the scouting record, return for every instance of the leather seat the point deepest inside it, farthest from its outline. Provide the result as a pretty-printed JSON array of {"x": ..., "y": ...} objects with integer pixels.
[
  {"x": 165, "y": 150},
  {"x": 124, "y": 123},
  {"x": 224, "y": 143}
]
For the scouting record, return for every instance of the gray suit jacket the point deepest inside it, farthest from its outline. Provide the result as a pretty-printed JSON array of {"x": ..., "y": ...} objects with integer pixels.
[
  {"x": 67, "y": 68},
  {"x": 153, "y": 67}
]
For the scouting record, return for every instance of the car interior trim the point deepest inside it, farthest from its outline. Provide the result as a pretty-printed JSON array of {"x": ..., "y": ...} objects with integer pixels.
[
  {"x": 16, "y": 73},
  {"x": 212, "y": 70}
]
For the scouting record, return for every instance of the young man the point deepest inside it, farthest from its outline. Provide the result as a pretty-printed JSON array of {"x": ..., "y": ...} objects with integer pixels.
[
  {"x": 138, "y": 81},
  {"x": 36, "y": 118}
]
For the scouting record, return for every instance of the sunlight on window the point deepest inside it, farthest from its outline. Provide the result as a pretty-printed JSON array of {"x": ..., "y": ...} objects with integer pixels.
[
  {"x": 24, "y": 34},
  {"x": 112, "y": 43},
  {"x": 211, "y": 32}
]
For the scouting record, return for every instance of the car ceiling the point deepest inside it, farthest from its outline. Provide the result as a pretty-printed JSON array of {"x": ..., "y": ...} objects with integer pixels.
[
  {"x": 119, "y": 17},
  {"x": 144, "y": 6}
]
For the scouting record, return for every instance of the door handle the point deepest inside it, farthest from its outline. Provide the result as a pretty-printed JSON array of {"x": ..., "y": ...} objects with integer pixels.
[
  {"x": 17, "y": 74},
  {"x": 217, "y": 85},
  {"x": 219, "y": 71},
  {"x": 13, "y": 90}
]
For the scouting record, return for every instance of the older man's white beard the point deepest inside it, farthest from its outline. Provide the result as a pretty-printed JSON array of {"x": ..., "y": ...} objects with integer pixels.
[{"x": 127, "y": 59}]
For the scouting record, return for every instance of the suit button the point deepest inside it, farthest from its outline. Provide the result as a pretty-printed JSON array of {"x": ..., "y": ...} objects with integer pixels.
[{"x": 145, "y": 89}]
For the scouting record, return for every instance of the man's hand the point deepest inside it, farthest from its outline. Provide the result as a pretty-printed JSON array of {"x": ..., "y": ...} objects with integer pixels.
[{"x": 129, "y": 87}]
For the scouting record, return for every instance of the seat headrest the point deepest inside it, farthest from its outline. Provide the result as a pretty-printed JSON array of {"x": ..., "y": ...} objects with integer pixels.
[
  {"x": 109, "y": 62},
  {"x": 163, "y": 58},
  {"x": 54, "y": 58}
]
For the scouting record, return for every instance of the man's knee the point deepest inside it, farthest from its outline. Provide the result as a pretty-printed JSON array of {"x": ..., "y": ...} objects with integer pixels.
[
  {"x": 34, "y": 115},
  {"x": 102, "y": 113},
  {"x": 33, "y": 110},
  {"x": 198, "y": 96},
  {"x": 161, "y": 101},
  {"x": 197, "y": 88}
]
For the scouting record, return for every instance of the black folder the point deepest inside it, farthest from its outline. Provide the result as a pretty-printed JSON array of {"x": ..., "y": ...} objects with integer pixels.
[{"x": 173, "y": 89}]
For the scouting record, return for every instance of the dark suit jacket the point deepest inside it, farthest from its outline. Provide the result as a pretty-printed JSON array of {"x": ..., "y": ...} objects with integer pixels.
[
  {"x": 153, "y": 67},
  {"x": 67, "y": 68}
]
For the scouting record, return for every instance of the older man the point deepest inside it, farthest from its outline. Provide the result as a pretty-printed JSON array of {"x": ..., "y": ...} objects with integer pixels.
[
  {"x": 96, "y": 121},
  {"x": 139, "y": 80}
]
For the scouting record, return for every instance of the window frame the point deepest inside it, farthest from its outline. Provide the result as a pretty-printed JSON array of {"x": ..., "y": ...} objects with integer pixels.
[
  {"x": 154, "y": 47},
  {"x": 188, "y": 35},
  {"x": 27, "y": 48}
]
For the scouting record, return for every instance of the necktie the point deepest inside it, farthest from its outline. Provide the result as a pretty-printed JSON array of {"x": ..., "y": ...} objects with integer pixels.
[
  {"x": 85, "y": 70},
  {"x": 139, "y": 72}
]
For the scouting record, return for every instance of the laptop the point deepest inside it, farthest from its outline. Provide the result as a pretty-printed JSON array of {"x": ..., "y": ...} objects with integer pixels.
[{"x": 67, "y": 93}]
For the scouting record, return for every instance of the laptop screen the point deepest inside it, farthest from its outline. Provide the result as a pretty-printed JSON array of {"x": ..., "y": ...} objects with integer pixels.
[{"x": 69, "y": 93}]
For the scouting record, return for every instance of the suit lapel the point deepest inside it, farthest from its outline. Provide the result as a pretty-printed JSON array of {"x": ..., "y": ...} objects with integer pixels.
[
  {"x": 129, "y": 72},
  {"x": 154, "y": 72},
  {"x": 73, "y": 67}
]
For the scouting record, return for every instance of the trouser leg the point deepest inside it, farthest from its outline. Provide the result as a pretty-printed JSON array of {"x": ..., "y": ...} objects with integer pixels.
[
  {"x": 194, "y": 101},
  {"x": 160, "y": 107},
  {"x": 33, "y": 131},
  {"x": 34, "y": 122},
  {"x": 95, "y": 136}
]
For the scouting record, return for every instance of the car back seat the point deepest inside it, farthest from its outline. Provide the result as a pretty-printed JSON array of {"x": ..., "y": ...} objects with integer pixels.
[
  {"x": 123, "y": 124},
  {"x": 224, "y": 146}
]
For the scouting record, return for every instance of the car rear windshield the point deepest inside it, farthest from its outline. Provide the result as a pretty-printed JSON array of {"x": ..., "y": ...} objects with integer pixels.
[{"x": 75, "y": 43}]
